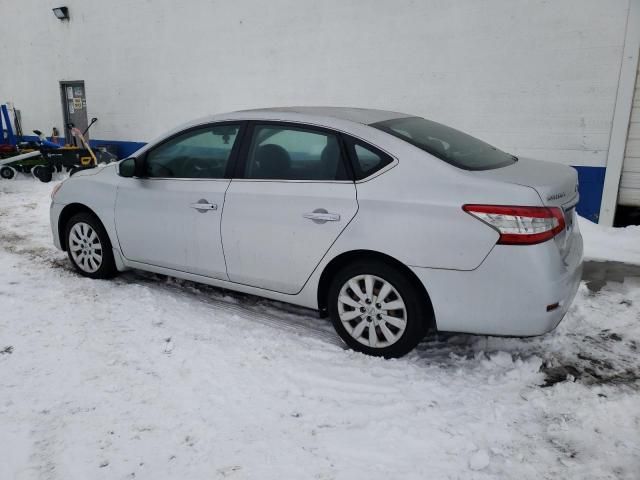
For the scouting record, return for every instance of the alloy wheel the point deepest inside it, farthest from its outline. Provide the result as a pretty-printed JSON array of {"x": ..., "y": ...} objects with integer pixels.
[
  {"x": 372, "y": 311},
  {"x": 85, "y": 247}
]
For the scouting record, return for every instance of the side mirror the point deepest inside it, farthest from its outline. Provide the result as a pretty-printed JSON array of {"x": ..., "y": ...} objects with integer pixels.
[{"x": 127, "y": 168}]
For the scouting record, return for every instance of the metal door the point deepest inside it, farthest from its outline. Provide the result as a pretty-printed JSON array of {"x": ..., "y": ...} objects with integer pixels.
[
  {"x": 74, "y": 108},
  {"x": 171, "y": 217},
  {"x": 172, "y": 223},
  {"x": 275, "y": 233},
  {"x": 289, "y": 201}
]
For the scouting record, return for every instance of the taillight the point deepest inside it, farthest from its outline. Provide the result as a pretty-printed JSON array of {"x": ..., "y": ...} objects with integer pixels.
[{"x": 520, "y": 225}]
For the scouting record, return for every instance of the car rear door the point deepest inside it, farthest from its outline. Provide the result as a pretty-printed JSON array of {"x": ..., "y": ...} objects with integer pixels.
[
  {"x": 292, "y": 197},
  {"x": 170, "y": 217}
]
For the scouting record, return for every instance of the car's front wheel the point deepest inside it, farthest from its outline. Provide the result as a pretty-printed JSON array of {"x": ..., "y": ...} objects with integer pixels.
[
  {"x": 376, "y": 309},
  {"x": 88, "y": 246}
]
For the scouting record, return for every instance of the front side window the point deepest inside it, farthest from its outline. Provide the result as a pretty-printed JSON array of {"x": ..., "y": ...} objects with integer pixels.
[
  {"x": 200, "y": 153},
  {"x": 292, "y": 153},
  {"x": 446, "y": 143}
]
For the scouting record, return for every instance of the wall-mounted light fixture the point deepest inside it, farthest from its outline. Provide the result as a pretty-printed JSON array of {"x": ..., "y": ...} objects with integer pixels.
[{"x": 61, "y": 13}]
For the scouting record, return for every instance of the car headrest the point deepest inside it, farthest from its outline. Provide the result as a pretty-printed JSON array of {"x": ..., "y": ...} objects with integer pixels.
[
  {"x": 272, "y": 161},
  {"x": 330, "y": 157}
]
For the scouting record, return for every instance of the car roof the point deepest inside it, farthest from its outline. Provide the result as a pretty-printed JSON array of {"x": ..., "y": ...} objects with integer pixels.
[
  {"x": 365, "y": 116},
  {"x": 345, "y": 118}
]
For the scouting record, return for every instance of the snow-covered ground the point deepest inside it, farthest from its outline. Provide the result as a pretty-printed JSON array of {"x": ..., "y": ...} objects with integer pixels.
[
  {"x": 608, "y": 243},
  {"x": 149, "y": 377}
]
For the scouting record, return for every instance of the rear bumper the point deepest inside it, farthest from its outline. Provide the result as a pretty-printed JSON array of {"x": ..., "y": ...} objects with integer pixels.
[{"x": 508, "y": 294}]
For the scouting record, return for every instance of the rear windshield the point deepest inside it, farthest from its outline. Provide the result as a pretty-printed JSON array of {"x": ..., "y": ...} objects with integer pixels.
[{"x": 446, "y": 143}]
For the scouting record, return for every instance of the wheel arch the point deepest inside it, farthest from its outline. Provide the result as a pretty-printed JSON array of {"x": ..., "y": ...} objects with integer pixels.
[
  {"x": 345, "y": 258},
  {"x": 65, "y": 215}
]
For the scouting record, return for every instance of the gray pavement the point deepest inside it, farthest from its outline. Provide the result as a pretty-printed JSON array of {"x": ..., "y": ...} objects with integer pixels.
[{"x": 597, "y": 274}]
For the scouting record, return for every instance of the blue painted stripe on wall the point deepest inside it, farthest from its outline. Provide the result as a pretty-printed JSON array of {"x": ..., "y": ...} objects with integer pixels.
[
  {"x": 591, "y": 178},
  {"x": 124, "y": 148},
  {"x": 591, "y": 185}
]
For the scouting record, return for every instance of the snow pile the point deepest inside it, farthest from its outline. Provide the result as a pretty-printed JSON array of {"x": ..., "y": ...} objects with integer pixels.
[
  {"x": 608, "y": 243},
  {"x": 149, "y": 377}
]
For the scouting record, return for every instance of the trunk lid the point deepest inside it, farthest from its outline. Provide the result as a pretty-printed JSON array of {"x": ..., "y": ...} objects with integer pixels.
[{"x": 556, "y": 184}]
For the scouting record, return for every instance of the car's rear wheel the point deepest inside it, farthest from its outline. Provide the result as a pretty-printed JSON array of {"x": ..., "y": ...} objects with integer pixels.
[
  {"x": 376, "y": 309},
  {"x": 88, "y": 246}
]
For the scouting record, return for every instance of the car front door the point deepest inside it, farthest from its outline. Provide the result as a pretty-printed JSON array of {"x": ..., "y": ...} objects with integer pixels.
[
  {"x": 170, "y": 215},
  {"x": 292, "y": 197}
]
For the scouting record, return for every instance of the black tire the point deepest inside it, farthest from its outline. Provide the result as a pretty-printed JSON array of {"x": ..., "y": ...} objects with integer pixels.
[
  {"x": 7, "y": 173},
  {"x": 417, "y": 313},
  {"x": 44, "y": 173},
  {"x": 107, "y": 266}
]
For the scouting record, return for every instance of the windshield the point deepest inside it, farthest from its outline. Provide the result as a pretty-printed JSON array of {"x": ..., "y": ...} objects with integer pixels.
[{"x": 446, "y": 143}]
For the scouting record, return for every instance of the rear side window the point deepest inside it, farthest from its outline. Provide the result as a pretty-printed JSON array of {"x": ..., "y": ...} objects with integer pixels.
[
  {"x": 446, "y": 143},
  {"x": 280, "y": 152},
  {"x": 367, "y": 160}
]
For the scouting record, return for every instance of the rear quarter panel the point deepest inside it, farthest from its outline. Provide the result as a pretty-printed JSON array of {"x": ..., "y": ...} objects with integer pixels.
[{"x": 414, "y": 213}]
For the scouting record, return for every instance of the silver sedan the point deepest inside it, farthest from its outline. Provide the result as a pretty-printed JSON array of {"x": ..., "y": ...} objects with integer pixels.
[{"x": 389, "y": 223}]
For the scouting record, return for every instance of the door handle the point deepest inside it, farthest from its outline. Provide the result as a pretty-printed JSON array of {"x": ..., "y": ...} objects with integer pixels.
[
  {"x": 320, "y": 215},
  {"x": 203, "y": 206}
]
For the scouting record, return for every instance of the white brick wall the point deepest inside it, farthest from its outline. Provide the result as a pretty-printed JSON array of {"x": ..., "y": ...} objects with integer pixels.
[{"x": 537, "y": 78}]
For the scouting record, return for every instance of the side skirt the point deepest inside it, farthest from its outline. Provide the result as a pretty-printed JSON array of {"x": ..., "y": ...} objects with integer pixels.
[{"x": 298, "y": 299}]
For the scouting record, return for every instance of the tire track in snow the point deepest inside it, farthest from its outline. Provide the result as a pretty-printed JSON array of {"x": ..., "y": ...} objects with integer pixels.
[
  {"x": 443, "y": 349},
  {"x": 247, "y": 307},
  {"x": 275, "y": 314}
]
